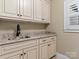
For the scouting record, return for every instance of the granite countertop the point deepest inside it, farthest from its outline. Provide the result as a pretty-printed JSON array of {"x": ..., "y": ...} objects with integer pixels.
[{"x": 33, "y": 37}]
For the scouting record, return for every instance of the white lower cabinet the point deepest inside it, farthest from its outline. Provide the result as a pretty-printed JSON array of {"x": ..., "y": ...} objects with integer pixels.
[
  {"x": 44, "y": 51},
  {"x": 51, "y": 49},
  {"x": 31, "y": 53},
  {"x": 14, "y": 55},
  {"x": 47, "y": 48}
]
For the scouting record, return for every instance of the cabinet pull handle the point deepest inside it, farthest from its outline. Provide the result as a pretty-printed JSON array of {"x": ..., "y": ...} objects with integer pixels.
[
  {"x": 44, "y": 40},
  {"x": 17, "y": 14},
  {"x": 52, "y": 38}
]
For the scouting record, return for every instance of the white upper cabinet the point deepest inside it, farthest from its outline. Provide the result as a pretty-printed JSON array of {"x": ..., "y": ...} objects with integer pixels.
[
  {"x": 26, "y": 9},
  {"x": 42, "y": 10},
  {"x": 34, "y": 10},
  {"x": 46, "y": 10},
  {"x": 1, "y": 7},
  {"x": 37, "y": 10},
  {"x": 10, "y": 8}
]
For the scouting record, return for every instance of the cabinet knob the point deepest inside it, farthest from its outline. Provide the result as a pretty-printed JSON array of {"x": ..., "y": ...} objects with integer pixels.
[
  {"x": 17, "y": 14},
  {"x": 24, "y": 53},
  {"x": 9, "y": 39},
  {"x": 21, "y": 54},
  {"x": 20, "y": 15},
  {"x": 49, "y": 44}
]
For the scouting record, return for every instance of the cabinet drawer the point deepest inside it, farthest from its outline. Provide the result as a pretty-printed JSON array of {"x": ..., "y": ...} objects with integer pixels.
[
  {"x": 53, "y": 39},
  {"x": 18, "y": 46},
  {"x": 45, "y": 40}
]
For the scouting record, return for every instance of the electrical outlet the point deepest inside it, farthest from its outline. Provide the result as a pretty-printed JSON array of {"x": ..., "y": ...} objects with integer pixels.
[{"x": 72, "y": 54}]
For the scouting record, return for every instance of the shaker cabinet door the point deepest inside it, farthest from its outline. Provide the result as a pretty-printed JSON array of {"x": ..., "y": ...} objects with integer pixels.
[
  {"x": 51, "y": 49},
  {"x": 31, "y": 53},
  {"x": 46, "y": 10},
  {"x": 10, "y": 8},
  {"x": 26, "y": 9},
  {"x": 15, "y": 55},
  {"x": 44, "y": 52},
  {"x": 37, "y": 10}
]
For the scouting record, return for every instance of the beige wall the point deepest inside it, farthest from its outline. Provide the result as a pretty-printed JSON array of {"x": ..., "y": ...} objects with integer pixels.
[
  {"x": 7, "y": 25},
  {"x": 67, "y": 43}
]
